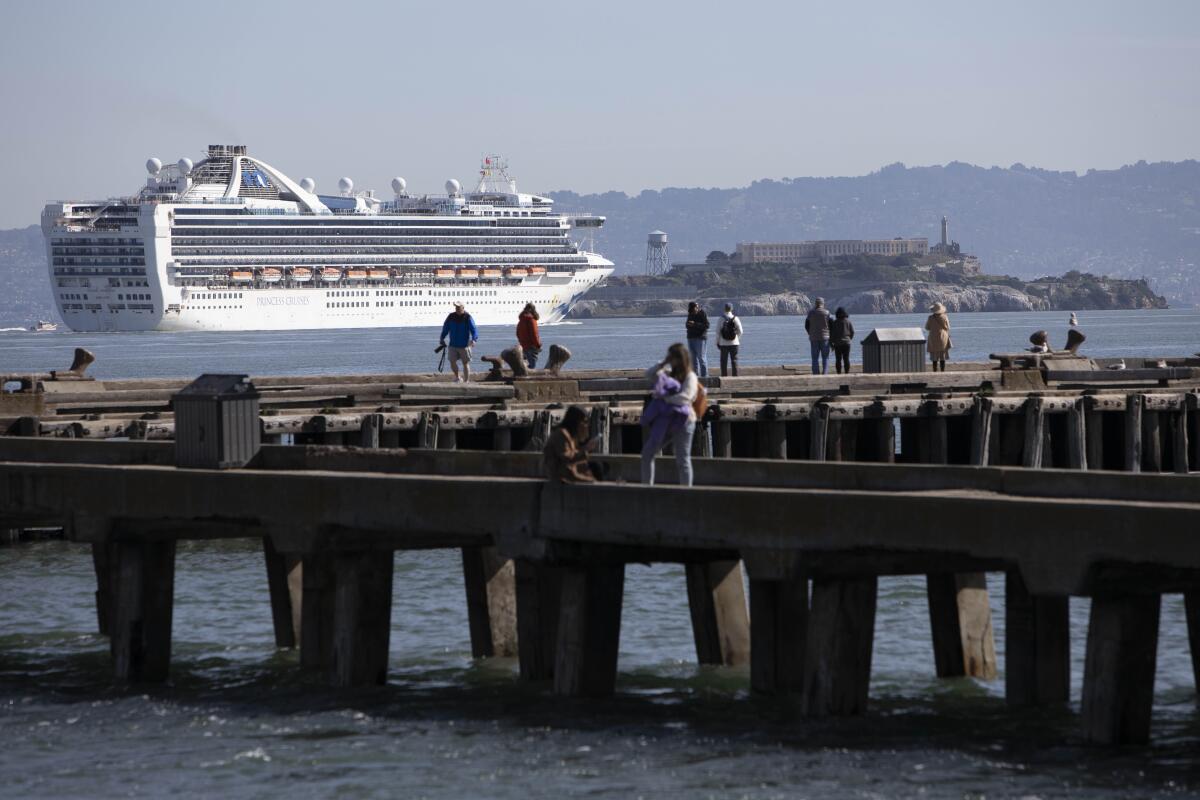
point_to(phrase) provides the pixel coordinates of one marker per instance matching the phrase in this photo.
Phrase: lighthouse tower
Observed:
(945, 233)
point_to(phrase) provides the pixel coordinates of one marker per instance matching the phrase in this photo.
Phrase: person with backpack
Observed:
(670, 416)
(528, 336)
(460, 328)
(817, 325)
(841, 332)
(729, 339)
(697, 337)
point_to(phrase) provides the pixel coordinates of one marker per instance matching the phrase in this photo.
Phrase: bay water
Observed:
(238, 718)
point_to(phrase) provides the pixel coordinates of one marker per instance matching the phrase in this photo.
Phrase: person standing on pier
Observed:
(817, 325)
(697, 337)
(565, 455)
(729, 339)
(460, 328)
(938, 343)
(670, 416)
(841, 332)
(528, 336)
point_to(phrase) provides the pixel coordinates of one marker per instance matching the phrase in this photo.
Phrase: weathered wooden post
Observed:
(717, 601)
(1077, 441)
(1151, 439)
(143, 600)
(539, 592)
(1037, 652)
(589, 630)
(491, 602)
(1179, 440)
(1118, 676)
(722, 438)
(837, 655)
(778, 622)
(286, 586)
(981, 430)
(819, 432)
(102, 563)
(316, 610)
(600, 426)
(1035, 421)
(362, 618)
(427, 430)
(1094, 425)
(369, 430)
(1133, 432)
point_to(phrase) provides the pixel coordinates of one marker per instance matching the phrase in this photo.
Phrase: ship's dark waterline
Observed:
(239, 720)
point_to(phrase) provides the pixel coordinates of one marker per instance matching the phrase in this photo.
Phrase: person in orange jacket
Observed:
(527, 335)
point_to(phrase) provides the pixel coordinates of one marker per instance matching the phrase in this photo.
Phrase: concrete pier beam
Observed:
(837, 655)
(720, 624)
(490, 582)
(589, 630)
(1118, 677)
(1037, 646)
(538, 596)
(143, 601)
(362, 618)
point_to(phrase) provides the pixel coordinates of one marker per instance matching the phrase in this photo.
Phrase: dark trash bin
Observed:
(894, 350)
(216, 422)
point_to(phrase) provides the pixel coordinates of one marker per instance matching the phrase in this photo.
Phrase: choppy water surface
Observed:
(239, 719)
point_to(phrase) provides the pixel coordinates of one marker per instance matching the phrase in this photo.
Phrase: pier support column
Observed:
(818, 423)
(1191, 605)
(601, 429)
(960, 617)
(1037, 646)
(143, 599)
(885, 440)
(589, 630)
(102, 562)
(1035, 433)
(538, 592)
(316, 611)
(717, 599)
(981, 431)
(1179, 441)
(778, 632)
(1077, 439)
(369, 430)
(1133, 433)
(722, 439)
(502, 439)
(841, 636)
(362, 618)
(1151, 441)
(1094, 433)
(491, 602)
(286, 585)
(1118, 676)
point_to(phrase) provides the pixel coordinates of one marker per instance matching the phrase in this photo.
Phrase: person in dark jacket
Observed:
(460, 327)
(841, 331)
(817, 326)
(697, 338)
(528, 336)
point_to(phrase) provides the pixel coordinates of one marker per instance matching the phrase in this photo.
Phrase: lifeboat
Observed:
(491, 273)
(468, 274)
(356, 274)
(517, 272)
(378, 274)
(302, 274)
(537, 271)
(271, 275)
(241, 277)
(331, 274)
(443, 274)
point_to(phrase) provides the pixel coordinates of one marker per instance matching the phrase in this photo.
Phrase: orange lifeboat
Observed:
(468, 274)
(356, 274)
(491, 273)
(517, 272)
(241, 277)
(272, 275)
(443, 274)
(537, 271)
(378, 274)
(302, 274)
(331, 274)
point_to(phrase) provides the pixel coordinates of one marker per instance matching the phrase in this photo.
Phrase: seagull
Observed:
(1074, 321)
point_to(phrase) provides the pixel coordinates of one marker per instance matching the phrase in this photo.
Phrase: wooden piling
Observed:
(143, 600)
(102, 563)
(1179, 442)
(589, 630)
(938, 444)
(369, 430)
(818, 431)
(1094, 434)
(1035, 421)
(720, 625)
(1037, 650)
(538, 592)
(362, 618)
(285, 584)
(600, 425)
(427, 430)
(316, 611)
(778, 632)
(1151, 440)
(1133, 433)
(502, 439)
(1077, 439)
(1118, 676)
(885, 440)
(960, 619)
(841, 635)
(490, 582)
(775, 438)
(981, 430)
(722, 439)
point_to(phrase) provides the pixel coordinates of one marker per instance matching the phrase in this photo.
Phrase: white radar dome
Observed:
(185, 166)
(346, 185)
(453, 187)
(308, 185)
(153, 165)
(399, 185)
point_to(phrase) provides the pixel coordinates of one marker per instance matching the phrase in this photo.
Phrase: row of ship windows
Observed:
(218, 296)
(100, 261)
(99, 270)
(378, 250)
(86, 283)
(107, 241)
(113, 308)
(229, 240)
(341, 222)
(98, 251)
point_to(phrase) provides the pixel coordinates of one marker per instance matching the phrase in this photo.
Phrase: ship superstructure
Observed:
(231, 243)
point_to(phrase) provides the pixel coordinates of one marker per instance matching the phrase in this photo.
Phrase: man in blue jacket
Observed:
(460, 327)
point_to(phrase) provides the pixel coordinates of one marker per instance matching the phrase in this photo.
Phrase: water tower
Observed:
(657, 258)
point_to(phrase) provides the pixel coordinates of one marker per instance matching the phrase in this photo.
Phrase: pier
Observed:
(1070, 484)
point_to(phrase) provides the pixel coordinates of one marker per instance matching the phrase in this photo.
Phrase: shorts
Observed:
(462, 354)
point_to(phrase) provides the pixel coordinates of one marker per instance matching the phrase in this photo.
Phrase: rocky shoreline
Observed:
(905, 298)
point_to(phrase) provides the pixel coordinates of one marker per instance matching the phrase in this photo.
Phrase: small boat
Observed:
(302, 274)
(378, 274)
(491, 273)
(331, 274)
(44, 327)
(241, 277)
(356, 274)
(468, 274)
(443, 274)
(272, 275)
(517, 272)
(537, 271)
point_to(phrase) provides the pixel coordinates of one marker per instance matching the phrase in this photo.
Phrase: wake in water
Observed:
(5, 330)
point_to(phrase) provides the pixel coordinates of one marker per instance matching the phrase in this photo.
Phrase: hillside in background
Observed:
(1138, 221)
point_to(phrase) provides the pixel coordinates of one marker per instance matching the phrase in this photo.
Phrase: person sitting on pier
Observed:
(565, 456)
(670, 415)
(460, 327)
(939, 343)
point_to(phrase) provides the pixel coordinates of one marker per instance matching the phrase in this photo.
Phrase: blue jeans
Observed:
(699, 348)
(531, 357)
(682, 441)
(820, 348)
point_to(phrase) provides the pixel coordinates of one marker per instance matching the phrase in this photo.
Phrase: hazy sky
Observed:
(588, 96)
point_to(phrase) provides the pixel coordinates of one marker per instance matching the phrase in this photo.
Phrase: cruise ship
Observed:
(232, 244)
